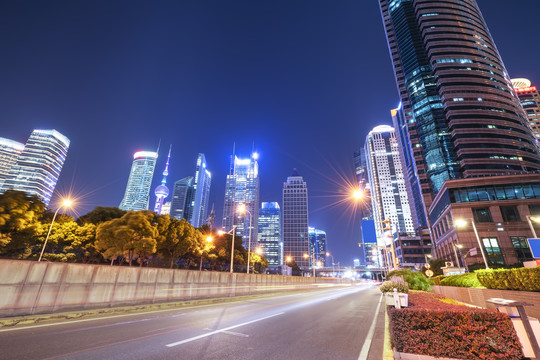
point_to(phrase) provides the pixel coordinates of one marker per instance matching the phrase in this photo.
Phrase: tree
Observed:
(260, 263)
(178, 240)
(101, 214)
(19, 223)
(132, 234)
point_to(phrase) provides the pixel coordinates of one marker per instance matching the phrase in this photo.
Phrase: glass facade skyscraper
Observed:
(464, 119)
(201, 192)
(295, 220)
(269, 237)
(242, 187)
(38, 167)
(182, 198)
(317, 246)
(137, 195)
(9, 153)
(530, 100)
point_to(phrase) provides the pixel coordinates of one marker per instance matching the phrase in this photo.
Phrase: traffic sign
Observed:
(534, 244)
(429, 273)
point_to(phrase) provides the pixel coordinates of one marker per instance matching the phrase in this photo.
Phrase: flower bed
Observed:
(432, 327)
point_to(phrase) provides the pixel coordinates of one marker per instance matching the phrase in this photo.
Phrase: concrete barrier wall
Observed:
(29, 287)
(478, 297)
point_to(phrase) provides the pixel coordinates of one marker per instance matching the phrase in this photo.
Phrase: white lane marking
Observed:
(222, 330)
(235, 333)
(369, 338)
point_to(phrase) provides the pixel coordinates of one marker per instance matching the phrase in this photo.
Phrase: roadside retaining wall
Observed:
(30, 287)
(478, 297)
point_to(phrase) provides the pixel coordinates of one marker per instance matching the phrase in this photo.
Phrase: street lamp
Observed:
(333, 269)
(457, 246)
(535, 219)
(221, 232)
(312, 263)
(462, 223)
(242, 209)
(65, 204)
(209, 239)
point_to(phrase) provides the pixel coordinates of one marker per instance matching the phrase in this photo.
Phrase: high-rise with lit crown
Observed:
(9, 153)
(295, 220)
(137, 196)
(201, 188)
(269, 237)
(530, 100)
(242, 187)
(38, 166)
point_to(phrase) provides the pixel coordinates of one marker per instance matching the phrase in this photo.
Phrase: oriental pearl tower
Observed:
(162, 191)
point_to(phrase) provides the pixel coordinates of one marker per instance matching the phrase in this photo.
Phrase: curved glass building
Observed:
(137, 194)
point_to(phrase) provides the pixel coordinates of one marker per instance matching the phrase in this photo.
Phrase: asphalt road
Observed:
(324, 324)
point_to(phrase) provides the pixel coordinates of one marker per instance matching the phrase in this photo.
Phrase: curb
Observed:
(388, 352)
(126, 310)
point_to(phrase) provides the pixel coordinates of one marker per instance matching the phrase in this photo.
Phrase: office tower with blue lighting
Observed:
(295, 220)
(269, 237)
(10, 151)
(182, 196)
(38, 166)
(162, 191)
(201, 192)
(317, 246)
(242, 187)
(137, 195)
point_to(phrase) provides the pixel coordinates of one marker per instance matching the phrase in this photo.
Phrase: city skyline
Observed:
(99, 171)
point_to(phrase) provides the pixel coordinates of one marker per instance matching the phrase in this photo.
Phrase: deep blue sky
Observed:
(304, 80)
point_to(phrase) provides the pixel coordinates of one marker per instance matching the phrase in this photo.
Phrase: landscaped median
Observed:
(436, 326)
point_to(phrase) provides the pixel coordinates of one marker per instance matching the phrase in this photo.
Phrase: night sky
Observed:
(304, 81)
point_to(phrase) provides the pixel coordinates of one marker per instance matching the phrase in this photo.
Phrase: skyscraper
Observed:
(295, 220)
(38, 166)
(317, 245)
(366, 212)
(201, 187)
(269, 237)
(530, 100)
(181, 199)
(465, 124)
(137, 196)
(162, 191)
(9, 153)
(242, 187)
(462, 114)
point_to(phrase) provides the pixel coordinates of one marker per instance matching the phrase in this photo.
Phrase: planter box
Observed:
(407, 356)
(403, 299)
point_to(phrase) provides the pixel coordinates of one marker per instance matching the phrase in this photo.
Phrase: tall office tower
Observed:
(295, 220)
(465, 123)
(462, 114)
(162, 191)
(38, 166)
(137, 196)
(242, 187)
(270, 233)
(407, 160)
(389, 196)
(360, 166)
(201, 186)
(181, 199)
(317, 246)
(530, 100)
(9, 153)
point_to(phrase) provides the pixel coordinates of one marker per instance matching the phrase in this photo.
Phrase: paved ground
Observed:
(323, 324)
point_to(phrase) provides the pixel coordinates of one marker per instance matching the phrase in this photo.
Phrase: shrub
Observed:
(525, 279)
(462, 280)
(389, 286)
(437, 279)
(431, 327)
(415, 279)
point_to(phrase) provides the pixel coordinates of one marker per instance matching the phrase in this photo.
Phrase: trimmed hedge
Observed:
(524, 279)
(462, 280)
(415, 279)
(437, 279)
(430, 327)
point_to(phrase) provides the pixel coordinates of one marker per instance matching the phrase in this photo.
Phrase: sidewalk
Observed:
(379, 349)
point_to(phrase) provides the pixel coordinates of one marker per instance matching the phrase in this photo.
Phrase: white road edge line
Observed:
(221, 330)
(369, 338)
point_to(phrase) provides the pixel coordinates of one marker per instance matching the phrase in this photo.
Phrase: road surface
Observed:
(331, 323)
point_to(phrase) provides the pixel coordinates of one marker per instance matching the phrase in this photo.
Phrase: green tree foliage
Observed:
(415, 279)
(101, 214)
(177, 240)
(132, 235)
(436, 266)
(19, 223)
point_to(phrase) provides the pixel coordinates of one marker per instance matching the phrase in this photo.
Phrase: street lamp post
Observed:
(462, 223)
(457, 246)
(66, 204)
(221, 232)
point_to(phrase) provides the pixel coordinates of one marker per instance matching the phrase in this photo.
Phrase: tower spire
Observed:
(166, 171)
(161, 190)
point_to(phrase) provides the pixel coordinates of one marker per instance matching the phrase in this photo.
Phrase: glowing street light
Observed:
(462, 223)
(242, 209)
(208, 239)
(67, 203)
(358, 194)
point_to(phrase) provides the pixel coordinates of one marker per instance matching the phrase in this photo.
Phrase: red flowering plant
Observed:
(432, 327)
